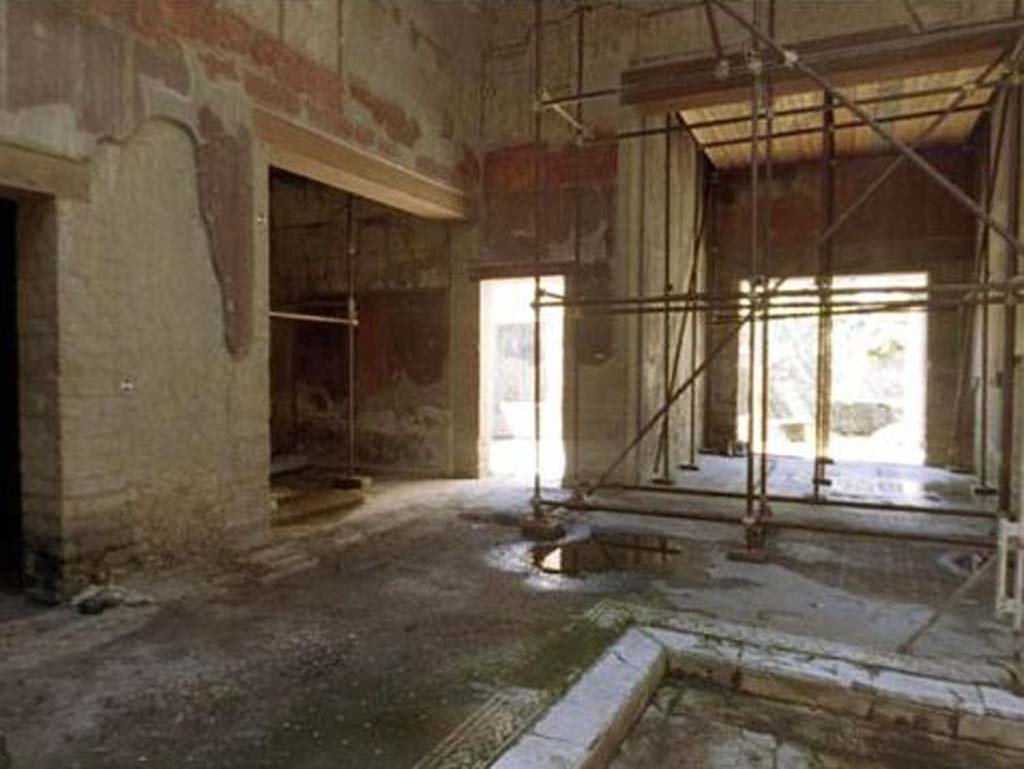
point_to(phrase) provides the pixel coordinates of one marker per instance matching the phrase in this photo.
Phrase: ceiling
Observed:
(904, 80)
(906, 107)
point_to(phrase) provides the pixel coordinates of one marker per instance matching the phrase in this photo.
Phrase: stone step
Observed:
(281, 494)
(341, 480)
(316, 502)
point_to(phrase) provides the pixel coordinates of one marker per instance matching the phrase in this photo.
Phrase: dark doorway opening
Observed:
(10, 452)
(312, 373)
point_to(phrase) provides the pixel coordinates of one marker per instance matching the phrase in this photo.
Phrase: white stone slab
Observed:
(675, 642)
(533, 752)
(828, 671)
(945, 695)
(586, 726)
(1002, 703)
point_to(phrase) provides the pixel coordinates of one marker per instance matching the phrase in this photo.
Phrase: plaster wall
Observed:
(144, 301)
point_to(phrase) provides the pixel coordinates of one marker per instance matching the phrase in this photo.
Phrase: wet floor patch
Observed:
(606, 553)
(597, 563)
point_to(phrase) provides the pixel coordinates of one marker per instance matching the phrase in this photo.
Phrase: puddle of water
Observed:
(606, 563)
(606, 553)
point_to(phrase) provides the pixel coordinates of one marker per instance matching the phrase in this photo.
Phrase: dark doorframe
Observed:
(11, 534)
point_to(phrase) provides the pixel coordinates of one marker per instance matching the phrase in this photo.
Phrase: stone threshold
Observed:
(611, 613)
(585, 727)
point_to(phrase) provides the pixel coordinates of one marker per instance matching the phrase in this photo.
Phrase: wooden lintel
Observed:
(301, 151)
(849, 60)
(24, 170)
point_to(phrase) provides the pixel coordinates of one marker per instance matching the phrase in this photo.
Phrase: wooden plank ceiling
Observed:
(797, 136)
(901, 79)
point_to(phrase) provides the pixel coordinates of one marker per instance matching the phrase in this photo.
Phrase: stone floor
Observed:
(371, 638)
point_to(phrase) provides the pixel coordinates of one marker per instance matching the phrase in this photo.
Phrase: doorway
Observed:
(507, 378)
(878, 382)
(11, 535)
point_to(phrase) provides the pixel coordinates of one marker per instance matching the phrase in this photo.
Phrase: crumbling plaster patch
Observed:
(85, 84)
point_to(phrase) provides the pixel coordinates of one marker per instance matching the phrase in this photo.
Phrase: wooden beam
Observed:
(24, 170)
(888, 54)
(300, 151)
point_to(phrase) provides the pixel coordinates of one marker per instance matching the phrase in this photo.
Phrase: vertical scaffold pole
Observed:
(766, 247)
(1006, 505)
(352, 246)
(664, 476)
(755, 263)
(538, 172)
(823, 388)
(577, 256)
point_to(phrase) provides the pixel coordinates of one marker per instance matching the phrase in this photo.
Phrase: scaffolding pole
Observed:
(751, 529)
(733, 300)
(577, 244)
(896, 507)
(1006, 505)
(823, 381)
(538, 246)
(698, 183)
(306, 317)
(713, 517)
(983, 485)
(797, 309)
(766, 254)
(351, 247)
(662, 474)
(761, 294)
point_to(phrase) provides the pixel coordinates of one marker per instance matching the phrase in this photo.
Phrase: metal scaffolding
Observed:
(767, 299)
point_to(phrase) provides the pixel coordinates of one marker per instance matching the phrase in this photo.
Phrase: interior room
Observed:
(515, 384)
